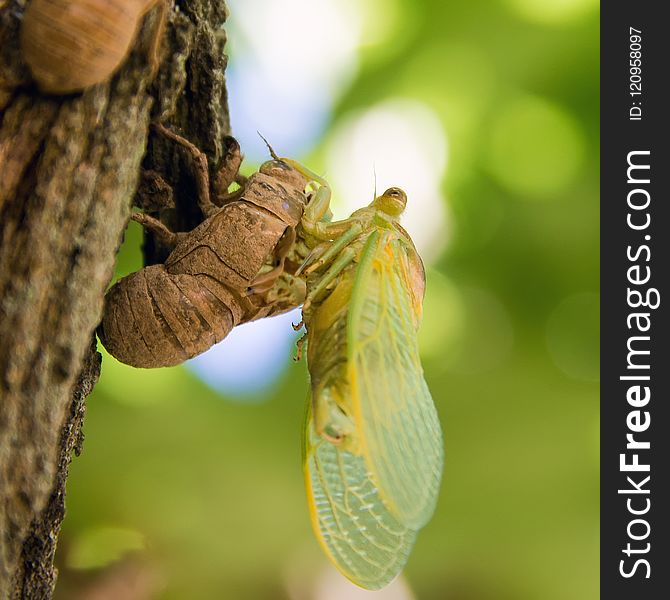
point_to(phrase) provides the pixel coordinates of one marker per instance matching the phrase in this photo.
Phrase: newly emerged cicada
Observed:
(372, 443)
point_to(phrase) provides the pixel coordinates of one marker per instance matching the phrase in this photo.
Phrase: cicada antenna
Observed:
(273, 154)
(374, 175)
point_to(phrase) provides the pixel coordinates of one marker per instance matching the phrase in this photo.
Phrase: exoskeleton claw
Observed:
(158, 228)
(200, 168)
(299, 347)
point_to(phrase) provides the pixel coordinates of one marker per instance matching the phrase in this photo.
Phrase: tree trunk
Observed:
(69, 168)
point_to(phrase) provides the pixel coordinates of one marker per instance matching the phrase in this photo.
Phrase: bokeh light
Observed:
(399, 142)
(460, 93)
(490, 335)
(536, 148)
(251, 357)
(443, 325)
(552, 11)
(289, 63)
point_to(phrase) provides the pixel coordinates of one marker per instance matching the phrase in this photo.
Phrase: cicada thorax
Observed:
(168, 313)
(230, 248)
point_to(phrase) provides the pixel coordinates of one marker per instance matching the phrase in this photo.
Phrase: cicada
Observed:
(372, 442)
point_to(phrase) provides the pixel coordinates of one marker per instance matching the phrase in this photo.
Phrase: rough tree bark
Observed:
(69, 168)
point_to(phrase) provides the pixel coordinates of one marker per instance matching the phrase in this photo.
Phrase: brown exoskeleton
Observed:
(228, 270)
(70, 45)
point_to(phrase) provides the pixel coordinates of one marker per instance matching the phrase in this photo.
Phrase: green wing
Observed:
(396, 421)
(361, 537)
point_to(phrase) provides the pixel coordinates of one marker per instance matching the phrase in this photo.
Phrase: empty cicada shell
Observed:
(228, 270)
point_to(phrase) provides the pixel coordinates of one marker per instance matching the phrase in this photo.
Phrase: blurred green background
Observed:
(190, 491)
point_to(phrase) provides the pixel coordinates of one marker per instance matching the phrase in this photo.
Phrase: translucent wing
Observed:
(396, 421)
(362, 538)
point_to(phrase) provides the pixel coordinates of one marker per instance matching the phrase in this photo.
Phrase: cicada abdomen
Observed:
(155, 319)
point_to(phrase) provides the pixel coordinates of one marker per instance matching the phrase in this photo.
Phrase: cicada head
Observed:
(393, 202)
(282, 171)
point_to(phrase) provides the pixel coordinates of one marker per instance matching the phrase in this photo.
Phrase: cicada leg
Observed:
(299, 346)
(331, 251)
(313, 256)
(228, 171)
(264, 281)
(345, 258)
(158, 228)
(200, 168)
